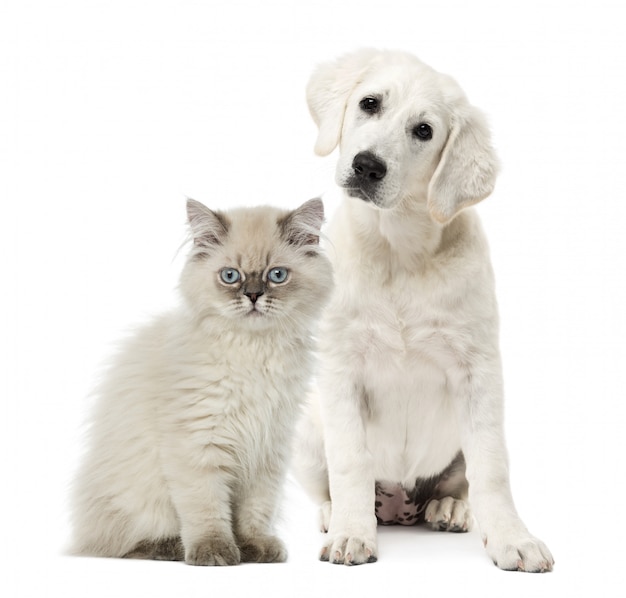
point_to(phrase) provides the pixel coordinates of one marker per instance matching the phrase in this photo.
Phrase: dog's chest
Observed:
(406, 352)
(404, 331)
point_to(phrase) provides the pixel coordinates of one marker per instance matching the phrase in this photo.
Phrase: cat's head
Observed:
(257, 267)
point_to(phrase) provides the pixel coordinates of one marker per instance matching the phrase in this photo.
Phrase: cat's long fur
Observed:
(190, 434)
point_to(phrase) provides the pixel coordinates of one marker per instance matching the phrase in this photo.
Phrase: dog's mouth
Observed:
(359, 193)
(367, 195)
(353, 189)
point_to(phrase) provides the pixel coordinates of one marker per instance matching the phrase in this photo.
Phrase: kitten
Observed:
(192, 427)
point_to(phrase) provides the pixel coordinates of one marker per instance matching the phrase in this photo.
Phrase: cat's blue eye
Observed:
(229, 275)
(278, 275)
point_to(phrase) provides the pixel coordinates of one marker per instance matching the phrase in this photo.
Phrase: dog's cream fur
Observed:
(410, 366)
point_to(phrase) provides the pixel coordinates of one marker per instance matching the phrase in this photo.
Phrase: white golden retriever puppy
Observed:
(409, 416)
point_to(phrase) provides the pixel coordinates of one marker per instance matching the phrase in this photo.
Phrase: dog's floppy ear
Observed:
(327, 93)
(467, 169)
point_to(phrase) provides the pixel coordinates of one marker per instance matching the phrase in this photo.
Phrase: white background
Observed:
(112, 112)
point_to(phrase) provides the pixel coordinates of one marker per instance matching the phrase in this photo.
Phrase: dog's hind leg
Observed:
(309, 464)
(448, 515)
(314, 480)
(449, 510)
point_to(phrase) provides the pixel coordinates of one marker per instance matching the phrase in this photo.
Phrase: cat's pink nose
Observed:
(253, 296)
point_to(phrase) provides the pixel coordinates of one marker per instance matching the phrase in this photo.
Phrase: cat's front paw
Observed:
(263, 549)
(213, 552)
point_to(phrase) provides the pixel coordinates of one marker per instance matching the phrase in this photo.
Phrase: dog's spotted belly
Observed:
(395, 506)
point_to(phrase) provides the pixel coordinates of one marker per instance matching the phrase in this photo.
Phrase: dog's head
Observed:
(404, 131)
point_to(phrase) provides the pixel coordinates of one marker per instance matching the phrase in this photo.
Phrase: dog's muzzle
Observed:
(368, 169)
(364, 182)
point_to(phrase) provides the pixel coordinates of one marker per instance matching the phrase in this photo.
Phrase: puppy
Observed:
(409, 416)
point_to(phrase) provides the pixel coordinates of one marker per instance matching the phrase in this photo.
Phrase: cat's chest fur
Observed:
(232, 392)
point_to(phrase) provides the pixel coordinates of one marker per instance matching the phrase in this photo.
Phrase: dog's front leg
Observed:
(480, 409)
(351, 538)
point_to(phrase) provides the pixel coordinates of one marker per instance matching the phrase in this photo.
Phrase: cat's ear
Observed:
(303, 225)
(208, 228)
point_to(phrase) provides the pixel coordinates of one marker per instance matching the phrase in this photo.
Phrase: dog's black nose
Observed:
(367, 166)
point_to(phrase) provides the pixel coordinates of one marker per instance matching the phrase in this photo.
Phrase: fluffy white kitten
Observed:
(190, 435)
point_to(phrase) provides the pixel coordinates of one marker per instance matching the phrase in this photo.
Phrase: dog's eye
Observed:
(423, 132)
(370, 105)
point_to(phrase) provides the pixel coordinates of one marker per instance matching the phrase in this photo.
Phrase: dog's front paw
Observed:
(344, 549)
(519, 552)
